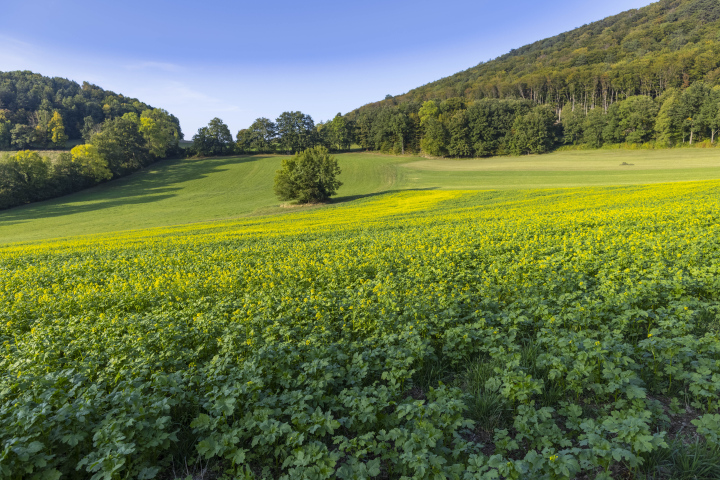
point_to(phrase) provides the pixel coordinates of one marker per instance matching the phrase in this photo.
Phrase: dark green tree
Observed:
(457, 125)
(573, 123)
(260, 136)
(534, 132)
(364, 128)
(490, 122)
(243, 140)
(5, 135)
(221, 137)
(295, 131)
(122, 145)
(710, 113)
(390, 130)
(435, 137)
(594, 127)
(400, 126)
(341, 131)
(691, 104)
(22, 136)
(632, 120)
(215, 139)
(669, 123)
(309, 176)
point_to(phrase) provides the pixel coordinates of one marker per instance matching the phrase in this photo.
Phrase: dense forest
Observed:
(671, 43)
(121, 135)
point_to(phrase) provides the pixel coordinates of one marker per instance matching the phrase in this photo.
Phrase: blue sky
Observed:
(243, 60)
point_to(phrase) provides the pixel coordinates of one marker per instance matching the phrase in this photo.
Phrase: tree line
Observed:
(291, 132)
(461, 128)
(115, 148)
(458, 127)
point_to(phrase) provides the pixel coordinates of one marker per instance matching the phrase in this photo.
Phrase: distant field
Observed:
(185, 191)
(565, 169)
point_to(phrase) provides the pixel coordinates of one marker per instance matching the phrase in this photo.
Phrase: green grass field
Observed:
(185, 191)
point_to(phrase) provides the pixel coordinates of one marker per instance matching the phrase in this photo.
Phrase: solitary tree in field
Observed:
(309, 176)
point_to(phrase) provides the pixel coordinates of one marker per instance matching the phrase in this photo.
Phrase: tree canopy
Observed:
(215, 139)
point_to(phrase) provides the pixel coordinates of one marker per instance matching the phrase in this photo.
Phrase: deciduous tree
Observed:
(295, 131)
(90, 163)
(533, 132)
(309, 176)
(159, 131)
(122, 145)
(215, 139)
(57, 130)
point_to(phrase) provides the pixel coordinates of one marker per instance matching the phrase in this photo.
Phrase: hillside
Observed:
(28, 101)
(648, 76)
(174, 192)
(671, 43)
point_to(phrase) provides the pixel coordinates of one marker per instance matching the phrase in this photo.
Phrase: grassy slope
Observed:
(185, 191)
(566, 169)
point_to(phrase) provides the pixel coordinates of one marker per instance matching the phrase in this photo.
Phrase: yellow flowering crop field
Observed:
(525, 334)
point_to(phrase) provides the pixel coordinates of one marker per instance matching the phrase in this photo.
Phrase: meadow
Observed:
(174, 192)
(429, 333)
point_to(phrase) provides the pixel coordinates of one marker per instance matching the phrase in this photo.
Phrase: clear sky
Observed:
(241, 60)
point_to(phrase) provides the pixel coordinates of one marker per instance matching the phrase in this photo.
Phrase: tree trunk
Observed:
(691, 136)
(605, 99)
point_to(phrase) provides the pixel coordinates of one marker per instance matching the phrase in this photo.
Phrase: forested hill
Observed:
(121, 135)
(648, 77)
(28, 102)
(671, 43)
